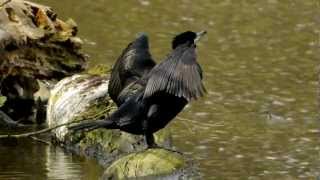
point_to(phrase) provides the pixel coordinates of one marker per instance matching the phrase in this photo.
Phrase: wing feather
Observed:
(133, 63)
(179, 75)
(115, 85)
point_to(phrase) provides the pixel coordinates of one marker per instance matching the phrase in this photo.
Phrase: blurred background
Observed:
(259, 117)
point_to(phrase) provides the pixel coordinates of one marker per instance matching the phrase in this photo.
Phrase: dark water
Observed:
(258, 120)
(26, 159)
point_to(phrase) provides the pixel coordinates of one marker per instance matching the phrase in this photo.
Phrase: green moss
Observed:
(3, 99)
(152, 162)
(97, 109)
(112, 140)
(108, 139)
(162, 136)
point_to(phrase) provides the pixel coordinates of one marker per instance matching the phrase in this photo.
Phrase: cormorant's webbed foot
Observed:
(152, 145)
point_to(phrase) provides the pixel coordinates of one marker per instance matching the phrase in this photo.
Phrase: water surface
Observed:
(258, 119)
(26, 159)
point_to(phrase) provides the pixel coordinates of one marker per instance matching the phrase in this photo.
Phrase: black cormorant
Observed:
(165, 91)
(134, 62)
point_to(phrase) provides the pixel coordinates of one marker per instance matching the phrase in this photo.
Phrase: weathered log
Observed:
(34, 45)
(35, 133)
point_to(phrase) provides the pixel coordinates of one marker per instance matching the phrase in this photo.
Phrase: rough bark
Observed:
(34, 45)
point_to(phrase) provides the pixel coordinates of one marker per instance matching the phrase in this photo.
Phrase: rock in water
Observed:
(150, 164)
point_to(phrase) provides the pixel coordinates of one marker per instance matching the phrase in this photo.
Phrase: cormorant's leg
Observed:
(150, 140)
(151, 143)
(148, 134)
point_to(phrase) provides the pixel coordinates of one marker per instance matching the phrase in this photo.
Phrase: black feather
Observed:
(179, 75)
(134, 62)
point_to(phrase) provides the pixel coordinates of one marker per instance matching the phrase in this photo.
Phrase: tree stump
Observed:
(35, 45)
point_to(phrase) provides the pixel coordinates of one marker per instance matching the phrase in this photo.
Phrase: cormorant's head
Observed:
(187, 37)
(141, 41)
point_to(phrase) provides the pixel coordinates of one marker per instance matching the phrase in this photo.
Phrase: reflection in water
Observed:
(62, 165)
(18, 160)
(26, 159)
(259, 60)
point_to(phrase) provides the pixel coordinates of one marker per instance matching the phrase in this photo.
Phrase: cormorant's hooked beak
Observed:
(199, 35)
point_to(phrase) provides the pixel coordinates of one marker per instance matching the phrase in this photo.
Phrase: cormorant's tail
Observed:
(92, 125)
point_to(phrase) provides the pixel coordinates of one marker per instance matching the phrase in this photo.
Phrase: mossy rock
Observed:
(149, 164)
(85, 97)
(106, 145)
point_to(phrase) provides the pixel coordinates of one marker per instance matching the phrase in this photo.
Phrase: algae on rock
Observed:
(151, 164)
(2, 100)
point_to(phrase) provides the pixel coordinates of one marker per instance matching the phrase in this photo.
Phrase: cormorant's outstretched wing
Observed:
(179, 75)
(115, 86)
(134, 62)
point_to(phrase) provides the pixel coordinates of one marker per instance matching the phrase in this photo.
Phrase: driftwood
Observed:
(34, 133)
(34, 45)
